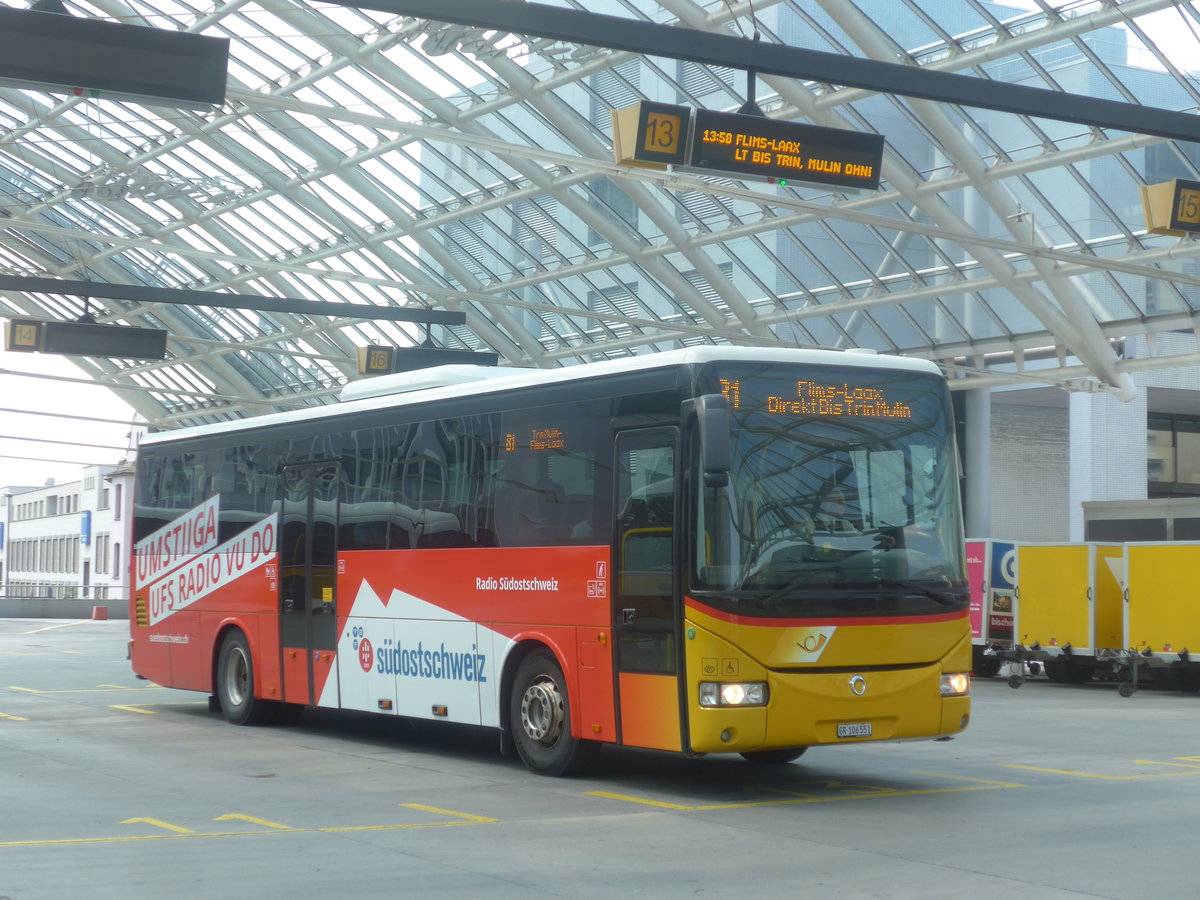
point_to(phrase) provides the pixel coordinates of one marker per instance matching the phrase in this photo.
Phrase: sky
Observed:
(29, 436)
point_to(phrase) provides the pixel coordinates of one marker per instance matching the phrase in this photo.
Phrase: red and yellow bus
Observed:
(713, 550)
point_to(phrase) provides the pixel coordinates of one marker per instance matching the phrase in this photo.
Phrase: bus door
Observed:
(308, 580)
(645, 604)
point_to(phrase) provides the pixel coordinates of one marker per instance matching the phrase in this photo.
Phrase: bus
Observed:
(711, 550)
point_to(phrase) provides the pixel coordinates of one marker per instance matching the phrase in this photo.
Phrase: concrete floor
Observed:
(114, 788)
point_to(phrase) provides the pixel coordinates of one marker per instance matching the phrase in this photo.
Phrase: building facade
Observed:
(68, 541)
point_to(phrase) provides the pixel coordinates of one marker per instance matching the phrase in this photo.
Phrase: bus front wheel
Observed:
(540, 718)
(235, 683)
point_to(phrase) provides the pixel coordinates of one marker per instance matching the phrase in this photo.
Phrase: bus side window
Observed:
(549, 484)
(439, 479)
(177, 485)
(148, 510)
(367, 506)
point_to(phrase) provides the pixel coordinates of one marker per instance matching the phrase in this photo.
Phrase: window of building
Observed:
(101, 563)
(1173, 454)
(613, 203)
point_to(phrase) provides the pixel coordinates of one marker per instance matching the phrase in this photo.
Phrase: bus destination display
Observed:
(539, 439)
(814, 398)
(772, 148)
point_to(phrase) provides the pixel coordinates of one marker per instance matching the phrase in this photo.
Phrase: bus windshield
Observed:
(842, 498)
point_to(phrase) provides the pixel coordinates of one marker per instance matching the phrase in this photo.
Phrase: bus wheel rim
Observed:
(237, 677)
(543, 712)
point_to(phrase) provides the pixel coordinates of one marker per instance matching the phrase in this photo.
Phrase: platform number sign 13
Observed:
(663, 132)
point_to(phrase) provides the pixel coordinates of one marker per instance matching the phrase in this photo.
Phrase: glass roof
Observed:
(375, 159)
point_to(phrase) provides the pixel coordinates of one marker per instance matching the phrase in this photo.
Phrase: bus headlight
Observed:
(957, 684)
(737, 693)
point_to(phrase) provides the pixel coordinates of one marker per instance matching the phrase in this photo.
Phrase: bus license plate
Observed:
(854, 730)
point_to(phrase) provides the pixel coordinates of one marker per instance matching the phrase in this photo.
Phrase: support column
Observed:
(977, 463)
(1108, 452)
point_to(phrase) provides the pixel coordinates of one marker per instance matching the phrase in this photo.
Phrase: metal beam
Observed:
(142, 293)
(57, 52)
(677, 42)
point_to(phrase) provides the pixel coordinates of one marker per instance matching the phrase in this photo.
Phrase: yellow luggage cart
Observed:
(1161, 615)
(1069, 606)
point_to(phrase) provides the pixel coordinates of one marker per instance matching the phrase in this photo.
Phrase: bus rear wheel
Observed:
(235, 684)
(539, 715)
(773, 757)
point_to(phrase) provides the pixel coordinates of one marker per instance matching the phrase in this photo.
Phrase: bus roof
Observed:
(450, 382)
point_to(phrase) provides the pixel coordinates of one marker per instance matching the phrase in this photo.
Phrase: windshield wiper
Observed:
(727, 593)
(943, 597)
(772, 598)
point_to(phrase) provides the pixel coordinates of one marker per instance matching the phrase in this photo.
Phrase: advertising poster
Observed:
(1002, 588)
(976, 562)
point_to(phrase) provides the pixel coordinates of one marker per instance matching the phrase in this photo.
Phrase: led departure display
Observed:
(539, 439)
(655, 135)
(780, 150)
(85, 339)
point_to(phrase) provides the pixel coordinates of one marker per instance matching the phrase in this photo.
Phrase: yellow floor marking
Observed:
(129, 707)
(159, 823)
(345, 828)
(449, 812)
(1005, 784)
(608, 795)
(104, 688)
(857, 792)
(52, 627)
(856, 789)
(13, 718)
(1098, 776)
(228, 817)
(178, 832)
(126, 839)
(1181, 765)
